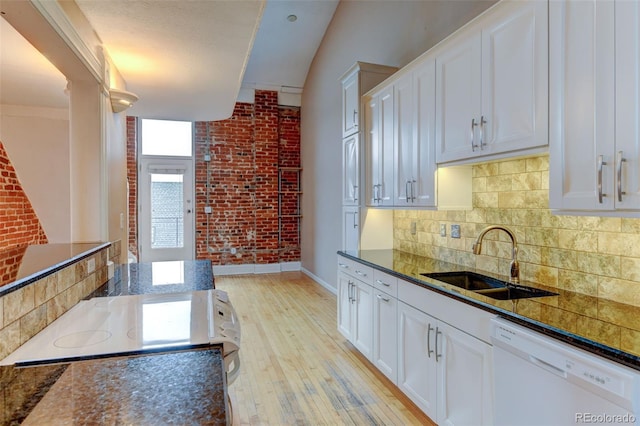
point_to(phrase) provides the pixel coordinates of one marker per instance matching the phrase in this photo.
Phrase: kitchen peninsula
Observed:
(186, 385)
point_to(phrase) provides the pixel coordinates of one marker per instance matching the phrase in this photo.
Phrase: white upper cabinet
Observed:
(492, 84)
(404, 178)
(414, 136)
(350, 105)
(379, 147)
(351, 170)
(360, 78)
(424, 132)
(595, 106)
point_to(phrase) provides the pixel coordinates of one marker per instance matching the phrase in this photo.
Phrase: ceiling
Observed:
(186, 60)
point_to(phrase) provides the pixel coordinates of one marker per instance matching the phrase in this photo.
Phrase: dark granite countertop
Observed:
(22, 265)
(187, 387)
(158, 277)
(595, 324)
(167, 388)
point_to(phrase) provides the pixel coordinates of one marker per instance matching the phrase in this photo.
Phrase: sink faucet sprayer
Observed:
(515, 266)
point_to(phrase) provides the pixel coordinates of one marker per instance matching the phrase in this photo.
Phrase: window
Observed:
(165, 137)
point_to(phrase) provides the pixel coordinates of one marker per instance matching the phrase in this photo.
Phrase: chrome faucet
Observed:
(515, 266)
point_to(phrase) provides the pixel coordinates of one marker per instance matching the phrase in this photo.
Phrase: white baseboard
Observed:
(320, 281)
(252, 268)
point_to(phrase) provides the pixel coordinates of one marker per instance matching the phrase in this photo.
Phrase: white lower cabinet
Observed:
(385, 334)
(444, 371)
(434, 348)
(355, 312)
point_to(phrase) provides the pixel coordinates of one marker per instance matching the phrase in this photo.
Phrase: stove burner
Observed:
(82, 339)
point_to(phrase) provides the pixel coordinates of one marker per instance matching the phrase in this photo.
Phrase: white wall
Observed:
(388, 32)
(37, 141)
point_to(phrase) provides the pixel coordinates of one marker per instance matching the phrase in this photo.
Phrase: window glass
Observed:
(165, 137)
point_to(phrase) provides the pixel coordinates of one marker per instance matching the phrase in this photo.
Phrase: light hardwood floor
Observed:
(296, 368)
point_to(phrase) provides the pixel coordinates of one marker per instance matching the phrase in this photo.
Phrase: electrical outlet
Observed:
(455, 231)
(91, 265)
(413, 228)
(207, 209)
(443, 230)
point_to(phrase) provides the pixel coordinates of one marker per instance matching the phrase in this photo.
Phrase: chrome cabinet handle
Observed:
(362, 274)
(383, 283)
(599, 166)
(355, 222)
(482, 123)
(438, 356)
(349, 290)
(407, 190)
(620, 159)
(342, 265)
(384, 299)
(413, 195)
(355, 192)
(429, 350)
(473, 125)
(376, 193)
(355, 122)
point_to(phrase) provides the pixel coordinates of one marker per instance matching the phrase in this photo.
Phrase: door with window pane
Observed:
(166, 210)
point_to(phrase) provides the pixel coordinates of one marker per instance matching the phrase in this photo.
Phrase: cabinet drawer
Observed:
(385, 282)
(345, 265)
(357, 270)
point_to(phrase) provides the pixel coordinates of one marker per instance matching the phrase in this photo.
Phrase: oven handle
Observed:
(229, 359)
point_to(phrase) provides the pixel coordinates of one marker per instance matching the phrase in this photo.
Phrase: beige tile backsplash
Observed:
(598, 258)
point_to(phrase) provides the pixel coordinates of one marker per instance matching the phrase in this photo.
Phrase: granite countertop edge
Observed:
(22, 282)
(588, 345)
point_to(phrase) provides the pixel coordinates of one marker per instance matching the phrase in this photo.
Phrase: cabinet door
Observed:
(362, 327)
(385, 334)
(424, 133)
(373, 160)
(351, 229)
(465, 372)
(582, 105)
(404, 178)
(514, 78)
(351, 170)
(350, 104)
(417, 370)
(458, 101)
(380, 148)
(345, 292)
(627, 27)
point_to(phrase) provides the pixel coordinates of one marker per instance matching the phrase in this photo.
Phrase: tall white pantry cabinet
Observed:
(360, 78)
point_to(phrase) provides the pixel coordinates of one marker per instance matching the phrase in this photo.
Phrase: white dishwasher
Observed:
(542, 381)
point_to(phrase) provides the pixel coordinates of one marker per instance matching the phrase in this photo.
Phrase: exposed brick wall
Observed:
(246, 150)
(266, 172)
(19, 224)
(289, 162)
(132, 176)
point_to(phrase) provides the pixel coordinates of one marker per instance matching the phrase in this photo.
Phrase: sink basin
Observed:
(488, 286)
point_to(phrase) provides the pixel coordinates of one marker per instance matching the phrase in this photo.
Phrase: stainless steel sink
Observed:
(488, 286)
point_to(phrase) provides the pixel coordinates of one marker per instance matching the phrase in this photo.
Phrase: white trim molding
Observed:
(270, 268)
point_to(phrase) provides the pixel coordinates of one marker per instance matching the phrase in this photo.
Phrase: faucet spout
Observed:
(515, 266)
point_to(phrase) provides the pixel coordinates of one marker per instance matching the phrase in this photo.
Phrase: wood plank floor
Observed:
(296, 368)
